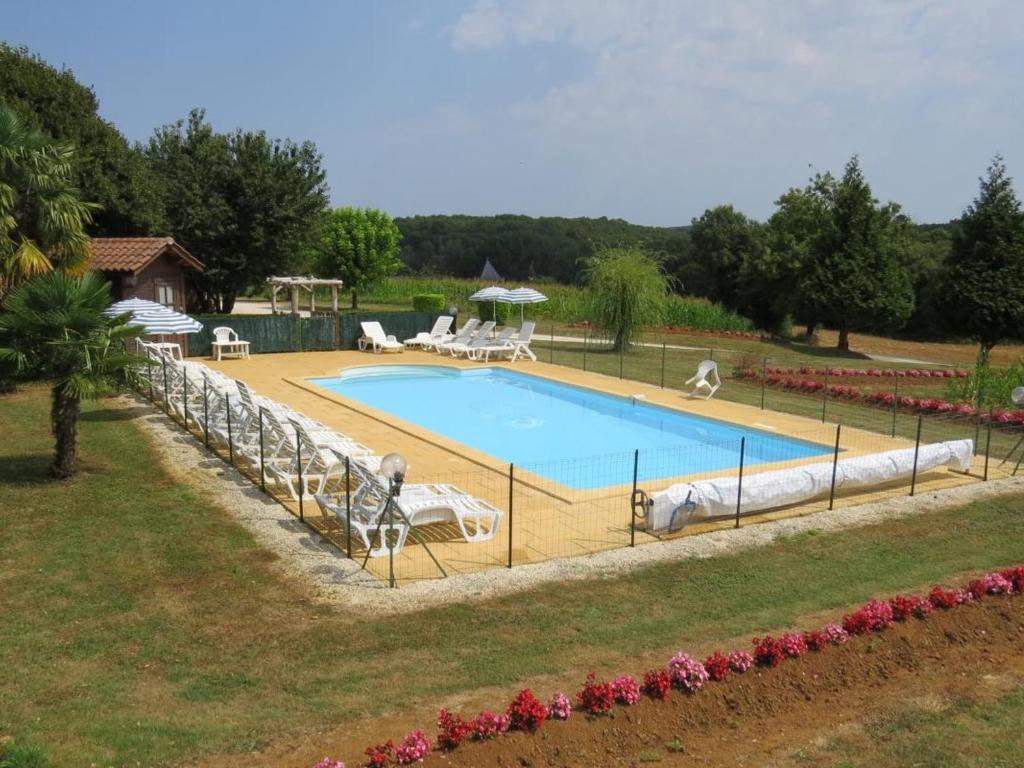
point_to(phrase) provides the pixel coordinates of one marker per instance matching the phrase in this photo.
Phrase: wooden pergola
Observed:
(293, 284)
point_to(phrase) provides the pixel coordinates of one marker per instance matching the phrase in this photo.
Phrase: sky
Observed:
(647, 110)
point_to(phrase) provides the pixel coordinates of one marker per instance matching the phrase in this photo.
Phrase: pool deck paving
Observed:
(549, 520)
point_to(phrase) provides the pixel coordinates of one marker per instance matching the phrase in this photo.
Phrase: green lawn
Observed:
(141, 625)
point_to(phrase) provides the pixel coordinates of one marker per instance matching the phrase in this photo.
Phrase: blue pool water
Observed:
(574, 436)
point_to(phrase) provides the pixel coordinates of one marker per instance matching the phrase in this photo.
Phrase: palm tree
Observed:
(53, 328)
(42, 217)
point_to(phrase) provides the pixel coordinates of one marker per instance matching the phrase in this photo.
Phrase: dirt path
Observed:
(760, 718)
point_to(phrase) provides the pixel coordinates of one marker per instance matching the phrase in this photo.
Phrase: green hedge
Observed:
(428, 302)
(491, 310)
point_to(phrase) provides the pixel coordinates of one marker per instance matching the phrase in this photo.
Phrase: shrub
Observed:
(793, 644)
(740, 661)
(413, 748)
(429, 302)
(559, 707)
(626, 690)
(905, 606)
(487, 725)
(595, 698)
(990, 584)
(815, 640)
(836, 635)
(490, 310)
(379, 754)
(657, 683)
(526, 712)
(686, 673)
(717, 666)
(767, 651)
(452, 730)
(873, 616)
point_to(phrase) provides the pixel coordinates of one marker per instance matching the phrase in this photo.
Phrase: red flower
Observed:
(815, 640)
(452, 730)
(717, 665)
(657, 683)
(379, 754)
(767, 651)
(526, 712)
(595, 698)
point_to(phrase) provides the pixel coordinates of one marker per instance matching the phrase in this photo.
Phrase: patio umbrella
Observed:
(491, 294)
(165, 322)
(132, 305)
(522, 296)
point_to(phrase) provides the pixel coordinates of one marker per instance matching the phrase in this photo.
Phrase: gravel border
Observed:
(332, 578)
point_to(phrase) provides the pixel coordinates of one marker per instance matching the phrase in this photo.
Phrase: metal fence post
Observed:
(711, 354)
(622, 357)
(184, 395)
(632, 514)
(391, 539)
(739, 485)
(895, 402)
(348, 508)
(551, 356)
(977, 431)
(764, 378)
(824, 396)
(149, 375)
(988, 443)
(664, 346)
(511, 473)
(917, 448)
(231, 440)
(835, 466)
(585, 333)
(263, 475)
(206, 413)
(298, 466)
(167, 402)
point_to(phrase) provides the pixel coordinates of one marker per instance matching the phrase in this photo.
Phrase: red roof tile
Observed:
(131, 254)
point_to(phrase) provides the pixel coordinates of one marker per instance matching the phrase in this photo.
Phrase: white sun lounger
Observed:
(482, 349)
(458, 347)
(374, 338)
(707, 370)
(439, 333)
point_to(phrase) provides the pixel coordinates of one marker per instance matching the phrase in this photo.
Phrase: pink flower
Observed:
(793, 644)
(560, 708)
(413, 748)
(740, 661)
(626, 689)
(328, 762)
(688, 674)
(836, 635)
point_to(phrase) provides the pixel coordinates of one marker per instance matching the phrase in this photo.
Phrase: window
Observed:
(165, 294)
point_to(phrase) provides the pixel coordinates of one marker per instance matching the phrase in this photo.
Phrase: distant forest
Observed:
(523, 248)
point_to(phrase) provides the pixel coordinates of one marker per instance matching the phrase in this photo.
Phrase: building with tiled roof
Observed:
(153, 268)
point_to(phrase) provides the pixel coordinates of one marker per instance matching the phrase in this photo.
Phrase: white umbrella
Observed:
(132, 305)
(165, 322)
(491, 294)
(521, 296)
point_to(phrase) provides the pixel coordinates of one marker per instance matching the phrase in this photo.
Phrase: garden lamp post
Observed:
(393, 467)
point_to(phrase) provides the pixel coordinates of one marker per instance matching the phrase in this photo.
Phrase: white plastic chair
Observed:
(707, 370)
(226, 342)
(436, 335)
(375, 339)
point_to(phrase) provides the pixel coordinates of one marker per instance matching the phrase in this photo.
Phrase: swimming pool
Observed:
(541, 424)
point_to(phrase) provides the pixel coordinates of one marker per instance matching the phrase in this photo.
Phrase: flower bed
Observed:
(881, 398)
(527, 713)
(888, 373)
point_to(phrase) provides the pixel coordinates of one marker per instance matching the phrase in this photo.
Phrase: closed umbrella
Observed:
(522, 296)
(491, 294)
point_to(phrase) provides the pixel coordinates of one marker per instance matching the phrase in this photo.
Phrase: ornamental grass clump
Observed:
(687, 674)
(526, 712)
(595, 698)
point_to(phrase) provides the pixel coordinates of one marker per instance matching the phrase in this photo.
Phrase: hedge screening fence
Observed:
(285, 333)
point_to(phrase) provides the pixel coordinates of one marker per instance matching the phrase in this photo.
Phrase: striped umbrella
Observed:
(522, 296)
(491, 294)
(165, 322)
(132, 305)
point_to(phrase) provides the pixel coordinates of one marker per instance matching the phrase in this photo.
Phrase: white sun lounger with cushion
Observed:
(436, 335)
(374, 338)
(702, 380)
(459, 345)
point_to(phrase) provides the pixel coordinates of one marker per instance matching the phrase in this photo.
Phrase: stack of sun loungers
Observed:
(473, 341)
(307, 458)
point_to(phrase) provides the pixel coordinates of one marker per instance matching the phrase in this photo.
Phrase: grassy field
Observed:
(143, 626)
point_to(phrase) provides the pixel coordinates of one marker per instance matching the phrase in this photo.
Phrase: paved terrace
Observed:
(550, 520)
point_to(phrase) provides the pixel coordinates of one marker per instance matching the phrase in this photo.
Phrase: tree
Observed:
(359, 246)
(53, 329)
(245, 204)
(111, 171)
(627, 290)
(855, 274)
(986, 269)
(724, 240)
(42, 218)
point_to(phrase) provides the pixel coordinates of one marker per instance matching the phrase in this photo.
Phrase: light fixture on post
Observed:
(393, 467)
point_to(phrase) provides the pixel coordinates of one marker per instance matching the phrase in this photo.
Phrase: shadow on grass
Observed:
(115, 414)
(26, 470)
(814, 351)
